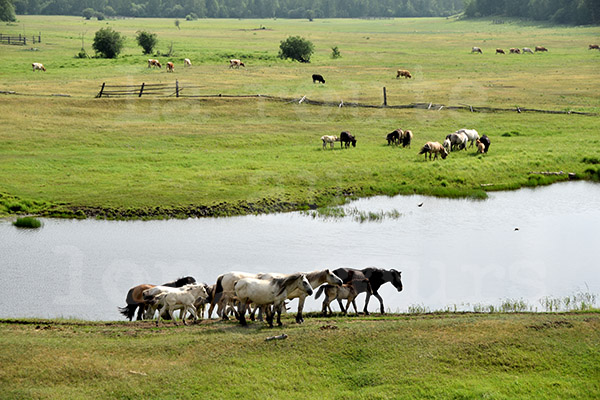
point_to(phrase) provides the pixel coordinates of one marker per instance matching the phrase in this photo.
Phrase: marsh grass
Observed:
(339, 213)
(28, 222)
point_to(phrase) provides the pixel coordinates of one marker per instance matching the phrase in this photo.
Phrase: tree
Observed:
(7, 11)
(88, 13)
(296, 48)
(108, 43)
(147, 41)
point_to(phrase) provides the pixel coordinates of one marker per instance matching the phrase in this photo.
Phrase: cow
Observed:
(38, 66)
(500, 51)
(236, 63)
(527, 50)
(318, 78)
(170, 67)
(404, 73)
(594, 47)
(540, 48)
(514, 50)
(153, 63)
(187, 62)
(476, 50)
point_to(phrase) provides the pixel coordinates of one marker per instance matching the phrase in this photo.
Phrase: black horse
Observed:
(376, 278)
(486, 142)
(135, 298)
(393, 137)
(346, 138)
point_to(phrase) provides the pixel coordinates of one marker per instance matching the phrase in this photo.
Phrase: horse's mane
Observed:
(285, 282)
(186, 280)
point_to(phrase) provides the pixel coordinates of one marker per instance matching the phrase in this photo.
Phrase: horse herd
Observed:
(513, 50)
(239, 293)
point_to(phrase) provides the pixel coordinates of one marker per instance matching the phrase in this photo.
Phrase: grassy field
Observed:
(157, 157)
(468, 356)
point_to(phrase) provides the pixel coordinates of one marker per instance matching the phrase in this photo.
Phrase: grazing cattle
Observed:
(540, 48)
(268, 292)
(458, 140)
(404, 73)
(486, 142)
(329, 139)
(318, 78)
(187, 62)
(514, 50)
(394, 137)
(594, 47)
(153, 63)
(370, 280)
(476, 50)
(434, 148)
(346, 138)
(170, 67)
(181, 298)
(347, 291)
(407, 138)
(135, 298)
(500, 51)
(527, 50)
(38, 66)
(315, 278)
(480, 146)
(236, 63)
(472, 135)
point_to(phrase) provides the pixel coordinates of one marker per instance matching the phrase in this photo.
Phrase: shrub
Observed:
(296, 48)
(27, 222)
(147, 41)
(335, 52)
(88, 13)
(99, 15)
(108, 43)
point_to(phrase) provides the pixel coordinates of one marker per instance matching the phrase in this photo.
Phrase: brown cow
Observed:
(476, 50)
(404, 73)
(500, 51)
(594, 47)
(153, 63)
(170, 67)
(236, 63)
(540, 48)
(514, 50)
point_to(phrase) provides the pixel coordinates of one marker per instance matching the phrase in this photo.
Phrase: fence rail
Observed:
(19, 40)
(146, 89)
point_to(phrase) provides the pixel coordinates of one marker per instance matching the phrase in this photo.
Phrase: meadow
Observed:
(154, 157)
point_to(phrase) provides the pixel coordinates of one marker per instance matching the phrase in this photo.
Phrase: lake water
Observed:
(451, 252)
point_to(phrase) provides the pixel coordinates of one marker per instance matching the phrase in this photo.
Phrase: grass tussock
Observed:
(28, 222)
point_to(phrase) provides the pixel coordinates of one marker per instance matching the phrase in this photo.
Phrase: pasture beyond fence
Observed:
(19, 40)
(184, 90)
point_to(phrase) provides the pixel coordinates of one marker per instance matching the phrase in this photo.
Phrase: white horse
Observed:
(329, 139)
(458, 140)
(447, 145)
(225, 283)
(315, 278)
(268, 292)
(472, 135)
(182, 298)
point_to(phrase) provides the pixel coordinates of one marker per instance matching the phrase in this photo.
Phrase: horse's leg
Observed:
(278, 313)
(365, 310)
(324, 307)
(241, 313)
(380, 301)
(299, 318)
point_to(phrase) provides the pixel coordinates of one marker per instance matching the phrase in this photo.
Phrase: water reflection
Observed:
(451, 252)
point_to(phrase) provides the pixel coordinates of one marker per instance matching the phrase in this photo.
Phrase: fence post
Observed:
(384, 97)
(141, 89)
(101, 90)
(176, 88)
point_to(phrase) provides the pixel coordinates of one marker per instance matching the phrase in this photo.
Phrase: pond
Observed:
(452, 253)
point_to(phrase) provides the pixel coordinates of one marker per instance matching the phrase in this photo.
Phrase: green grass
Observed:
(27, 222)
(468, 356)
(167, 157)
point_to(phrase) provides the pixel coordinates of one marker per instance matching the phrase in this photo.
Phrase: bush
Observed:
(99, 15)
(88, 13)
(296, 48)
(27, 222)
(108, 43)
(191, 17)
(335, 52)
(147, 41)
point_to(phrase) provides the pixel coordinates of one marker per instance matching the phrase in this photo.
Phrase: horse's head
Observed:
(396, 279)
(353, 142)
(332, 278)
(305, 285)
(444, 154)
(198, 291)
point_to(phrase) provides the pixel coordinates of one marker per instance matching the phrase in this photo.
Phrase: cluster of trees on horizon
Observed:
(579, 12)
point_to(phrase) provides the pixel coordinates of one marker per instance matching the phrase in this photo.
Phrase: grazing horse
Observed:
(500, 51)
(476, 50)
(153, 63)
(407, 138)
(181, 298)
(315, 278)
(540, 48)
(187, 62)
(135, 297)
(404, 73)
(375, 277)
(447, 145)
(486, 142)
(318, 78)
(329, 139)
(480, 146)
(594, 47)
(170, 67)
(347, 291)
(346, 138)
(527, 50)
(394, 137)
(458, 140)
(236, 63)
(267, 292)
(515, 50)
(38, 66)
(434, 148)
(472, 135)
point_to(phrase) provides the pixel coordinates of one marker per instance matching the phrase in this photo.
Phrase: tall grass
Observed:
(27, 222)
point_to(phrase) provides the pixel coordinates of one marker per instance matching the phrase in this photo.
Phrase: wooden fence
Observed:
(19, 40)
(146, 89)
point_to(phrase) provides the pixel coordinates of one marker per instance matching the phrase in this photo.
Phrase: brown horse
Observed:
(135, 299)
(347, 291)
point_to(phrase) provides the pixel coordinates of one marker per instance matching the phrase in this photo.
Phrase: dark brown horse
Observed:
(135, 299)
(346, 138)
(376, 278)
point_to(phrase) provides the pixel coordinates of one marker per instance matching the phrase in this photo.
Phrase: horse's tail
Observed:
(425, 149)
(128, 310)
(218, 291)
(321, 290)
